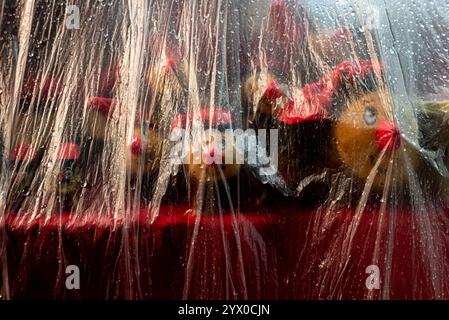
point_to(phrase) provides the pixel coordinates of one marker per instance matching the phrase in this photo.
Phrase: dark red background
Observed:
(292, 254)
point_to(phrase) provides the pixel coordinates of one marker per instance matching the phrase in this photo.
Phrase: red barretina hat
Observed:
(314, 101)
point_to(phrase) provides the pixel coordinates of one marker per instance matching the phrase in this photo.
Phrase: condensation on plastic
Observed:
(356, 91)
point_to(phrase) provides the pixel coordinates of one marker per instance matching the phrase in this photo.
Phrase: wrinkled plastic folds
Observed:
(196, 149)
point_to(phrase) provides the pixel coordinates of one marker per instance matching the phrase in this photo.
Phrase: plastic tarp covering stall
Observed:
(196, 149)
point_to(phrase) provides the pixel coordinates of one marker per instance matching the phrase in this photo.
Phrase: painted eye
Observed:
(370, 115)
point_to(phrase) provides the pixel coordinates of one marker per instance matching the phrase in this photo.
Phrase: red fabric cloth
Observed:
(292, 254)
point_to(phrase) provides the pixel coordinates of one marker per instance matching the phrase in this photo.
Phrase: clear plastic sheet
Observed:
(195, 149)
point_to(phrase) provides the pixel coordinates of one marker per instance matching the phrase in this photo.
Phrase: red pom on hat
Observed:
(23, 152)
(68, 151)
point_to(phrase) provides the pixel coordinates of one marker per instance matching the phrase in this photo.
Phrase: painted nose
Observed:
(136, 146)
(387, 136)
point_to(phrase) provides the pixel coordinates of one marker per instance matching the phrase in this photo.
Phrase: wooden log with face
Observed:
(304, 118)
(304, 138)
(68, 180)
(370, 144)
(364, 141)
(207, 172)
(99, 112)
(143, 152)
(101, 107)
(358, 133)
(24, 161)
(36, 114)
(375, 151)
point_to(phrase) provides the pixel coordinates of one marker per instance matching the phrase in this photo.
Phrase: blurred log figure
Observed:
(101, 107)
(144, 151)
(207, 173)
(362, 138)
(218, 182)
(166, 72)
(35, 117)
(42, 83)
(305, 118)
(38, 95)
(370, 144)
(270, 70)
(23, 163)
(99, 112)
(366, 139)
(68, 180)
